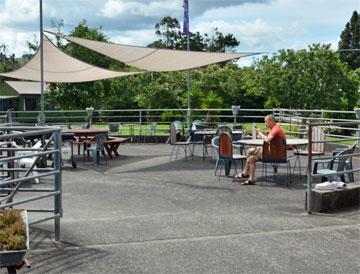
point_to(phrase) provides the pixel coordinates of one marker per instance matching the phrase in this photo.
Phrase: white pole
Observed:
(41, 117)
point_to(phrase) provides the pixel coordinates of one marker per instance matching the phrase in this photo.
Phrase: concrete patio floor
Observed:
(141, 213)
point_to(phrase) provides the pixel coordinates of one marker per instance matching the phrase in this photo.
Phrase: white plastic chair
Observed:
(29, 161)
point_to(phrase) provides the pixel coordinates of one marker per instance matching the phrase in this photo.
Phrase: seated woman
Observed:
(254, 155)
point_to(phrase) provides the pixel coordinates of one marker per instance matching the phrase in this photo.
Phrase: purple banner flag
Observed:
(186, 17)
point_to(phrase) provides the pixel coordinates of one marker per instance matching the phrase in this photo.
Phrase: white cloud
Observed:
(16, 41)
(262, 25)
(256, 35)
(18, 11)
(114, 8)
(139, 38)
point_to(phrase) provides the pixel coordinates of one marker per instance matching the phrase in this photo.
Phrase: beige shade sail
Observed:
(151, 59)
(25, 87)
(61, 68)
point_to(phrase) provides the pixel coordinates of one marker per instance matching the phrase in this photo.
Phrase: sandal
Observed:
(241, 175)
(248, 183)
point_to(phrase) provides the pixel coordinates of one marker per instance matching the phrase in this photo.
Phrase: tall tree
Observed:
(219, 42)
(168, 31)
(308, 79)
(349, 44)
(170, 37)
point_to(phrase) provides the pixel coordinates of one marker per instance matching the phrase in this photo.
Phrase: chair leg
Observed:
(297, 161)
(221, 168)
(37, 181)
(216, 165)
(185, 150)
(235, 167)
(172, 151)
(94, 156)
(177, 152)
(350, 174)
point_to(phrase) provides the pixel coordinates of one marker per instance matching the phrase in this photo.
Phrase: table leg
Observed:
(115, 149)
(108, 150)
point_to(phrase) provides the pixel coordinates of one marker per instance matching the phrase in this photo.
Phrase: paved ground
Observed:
(142, 214)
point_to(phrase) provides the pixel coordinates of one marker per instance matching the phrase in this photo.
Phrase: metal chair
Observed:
(275, 154)
(175, 136)
(114, 128)
(340, 159)
(222, 129)
(97, 148)
(226, 155)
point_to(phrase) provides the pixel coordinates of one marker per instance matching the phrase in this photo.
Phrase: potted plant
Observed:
(14, 236)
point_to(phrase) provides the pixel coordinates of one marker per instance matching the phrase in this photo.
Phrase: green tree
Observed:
(219, 42)
(309, 79)
(161, 90)
(168, 30)
(8, 62)
(170, 36)
(349, 44)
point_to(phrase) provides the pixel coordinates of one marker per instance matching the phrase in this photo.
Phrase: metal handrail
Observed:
(9, 200)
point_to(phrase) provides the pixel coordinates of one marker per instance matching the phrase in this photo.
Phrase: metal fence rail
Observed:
(12, 183)
(135, 120)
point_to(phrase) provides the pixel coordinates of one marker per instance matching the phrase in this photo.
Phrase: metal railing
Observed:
(12, 183)
(295, 119)
(169, 115)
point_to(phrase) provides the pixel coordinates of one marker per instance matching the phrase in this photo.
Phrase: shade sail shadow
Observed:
(132, 164)
(47, 256)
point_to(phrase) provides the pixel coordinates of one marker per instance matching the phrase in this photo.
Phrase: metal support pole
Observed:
(41, 117)
(58, 184)
(309, 166)
(189, 87)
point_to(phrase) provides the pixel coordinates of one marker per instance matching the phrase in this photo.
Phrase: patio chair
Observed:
(226, 154)
(29, 161)
(175, 136)
(222, 129)
(197, 125)
(97, 148)
(318, 149)
(274, 153)
(339, 159)
(348, 162)
(114, 128)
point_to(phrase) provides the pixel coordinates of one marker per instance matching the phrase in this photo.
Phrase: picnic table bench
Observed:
(112, 144)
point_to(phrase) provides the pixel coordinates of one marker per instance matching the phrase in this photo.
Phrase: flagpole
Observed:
(41, 117)
(189, 87)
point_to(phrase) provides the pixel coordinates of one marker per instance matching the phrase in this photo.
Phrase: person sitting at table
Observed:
(255, 154)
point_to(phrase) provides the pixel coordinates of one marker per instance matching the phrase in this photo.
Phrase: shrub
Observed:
(12, 230)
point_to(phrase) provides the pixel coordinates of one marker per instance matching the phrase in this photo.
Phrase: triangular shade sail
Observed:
(61, 68)
(151, 59)
(25, 87)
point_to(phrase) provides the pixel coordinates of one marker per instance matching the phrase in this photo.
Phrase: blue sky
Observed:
(259, 25)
